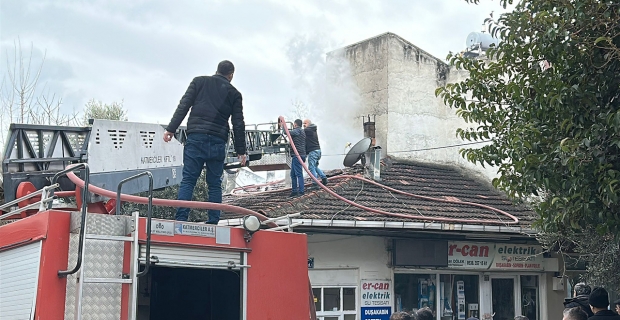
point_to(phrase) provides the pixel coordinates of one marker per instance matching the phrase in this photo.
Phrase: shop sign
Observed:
(376, 299)
(498, 256)
(194, 229)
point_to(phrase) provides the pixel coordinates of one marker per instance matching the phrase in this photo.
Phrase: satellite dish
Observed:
(357, 152)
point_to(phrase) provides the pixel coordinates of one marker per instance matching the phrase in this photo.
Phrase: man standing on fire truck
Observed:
(213, 101)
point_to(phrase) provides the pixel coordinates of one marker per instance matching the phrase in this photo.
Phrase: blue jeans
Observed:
(313, 165)
(208, 151)
(297, 175)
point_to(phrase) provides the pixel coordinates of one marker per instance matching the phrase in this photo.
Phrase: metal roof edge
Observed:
(401, 225)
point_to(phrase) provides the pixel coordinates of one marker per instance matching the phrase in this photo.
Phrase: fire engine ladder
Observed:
(99, 283)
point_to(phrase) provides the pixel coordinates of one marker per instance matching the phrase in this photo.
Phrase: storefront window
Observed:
(459, 298)
(529, 297)
(414, 291)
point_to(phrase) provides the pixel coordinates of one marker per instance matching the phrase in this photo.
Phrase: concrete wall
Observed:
(553, 306)
(367, 257)
(397, 83)
(368, 66)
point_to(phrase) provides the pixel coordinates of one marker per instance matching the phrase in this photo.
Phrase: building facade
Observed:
(431, 231)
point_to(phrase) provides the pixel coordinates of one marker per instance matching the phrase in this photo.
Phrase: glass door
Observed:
(503, 298)
(529, 296)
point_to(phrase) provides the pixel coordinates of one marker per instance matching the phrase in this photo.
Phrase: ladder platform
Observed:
(105, 237)
(107, 280)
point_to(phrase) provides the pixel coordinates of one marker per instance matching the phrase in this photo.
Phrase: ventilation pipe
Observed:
(372, 169)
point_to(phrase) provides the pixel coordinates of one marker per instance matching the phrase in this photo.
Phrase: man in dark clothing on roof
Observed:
(213, 101)
(313, 150)
(582, 291)
(599, 302)
(297, 174)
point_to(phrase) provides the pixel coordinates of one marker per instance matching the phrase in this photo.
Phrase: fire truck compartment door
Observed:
(19, 277)
(175, 256)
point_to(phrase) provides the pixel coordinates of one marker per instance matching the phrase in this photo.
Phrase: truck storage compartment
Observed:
(189, 294)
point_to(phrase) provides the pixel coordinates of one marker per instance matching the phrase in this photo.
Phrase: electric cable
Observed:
(422, 149)
(514, 219)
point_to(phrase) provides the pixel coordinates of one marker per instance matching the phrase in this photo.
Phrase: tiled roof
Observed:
(417, 178)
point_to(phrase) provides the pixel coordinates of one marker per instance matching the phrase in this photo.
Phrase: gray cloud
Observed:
(147, 52)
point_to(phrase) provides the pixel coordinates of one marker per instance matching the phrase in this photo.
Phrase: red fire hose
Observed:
(514, 219)
(167, 202)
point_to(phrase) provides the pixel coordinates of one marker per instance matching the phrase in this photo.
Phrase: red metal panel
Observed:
(54, 257)
(278, 276)
(24, 231)
(236, 239)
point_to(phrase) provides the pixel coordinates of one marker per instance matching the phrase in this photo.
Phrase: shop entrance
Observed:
(189, 293)
(503, 298)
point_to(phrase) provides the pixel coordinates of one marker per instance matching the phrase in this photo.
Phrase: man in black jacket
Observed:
(313, 151)
(599, 301)
(582, 291)
(213, 101)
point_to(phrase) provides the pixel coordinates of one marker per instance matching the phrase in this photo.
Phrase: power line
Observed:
(423, 149)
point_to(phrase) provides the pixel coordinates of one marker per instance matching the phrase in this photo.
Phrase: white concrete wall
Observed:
(368, 66)
(366, 256)
(397, 82)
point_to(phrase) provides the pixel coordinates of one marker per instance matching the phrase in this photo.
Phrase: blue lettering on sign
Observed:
(376, 313)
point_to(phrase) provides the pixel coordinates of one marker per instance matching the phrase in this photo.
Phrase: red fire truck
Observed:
(89, 263)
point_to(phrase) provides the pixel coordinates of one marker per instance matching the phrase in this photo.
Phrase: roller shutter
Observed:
(19, 278)
(192, 257)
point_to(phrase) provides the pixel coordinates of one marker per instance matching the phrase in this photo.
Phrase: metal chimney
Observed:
(369, 130)
(372, 169)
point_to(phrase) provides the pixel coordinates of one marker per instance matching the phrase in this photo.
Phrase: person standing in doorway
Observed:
(313, 150)
(213, 101)
(297, 175)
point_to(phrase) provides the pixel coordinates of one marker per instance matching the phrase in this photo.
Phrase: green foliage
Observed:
(555, 130)
(599, 252)
(201, 193)
(99, 110)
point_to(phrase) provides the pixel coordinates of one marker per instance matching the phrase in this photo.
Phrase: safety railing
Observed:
(41, 204)
(149, 214)
(78, 264)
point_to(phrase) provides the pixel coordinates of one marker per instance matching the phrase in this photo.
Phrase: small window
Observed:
(335, 303)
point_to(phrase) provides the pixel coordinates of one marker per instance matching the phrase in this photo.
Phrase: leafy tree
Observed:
(98, 110)
(548, 98)
(555, 132)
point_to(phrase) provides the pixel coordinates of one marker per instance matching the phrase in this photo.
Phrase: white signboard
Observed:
(162, 227)
(376, 293)
(376, 299)
(195, 229)
(494, 256)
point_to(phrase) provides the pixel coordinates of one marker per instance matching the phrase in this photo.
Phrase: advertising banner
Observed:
(494, 256)
(376, 299)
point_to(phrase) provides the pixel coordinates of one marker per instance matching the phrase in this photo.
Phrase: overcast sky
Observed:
(146, 52)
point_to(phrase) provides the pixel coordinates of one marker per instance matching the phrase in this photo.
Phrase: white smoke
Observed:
(327, 94)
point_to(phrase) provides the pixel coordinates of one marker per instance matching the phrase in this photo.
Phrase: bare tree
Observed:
(299, 110)
(22, 100)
